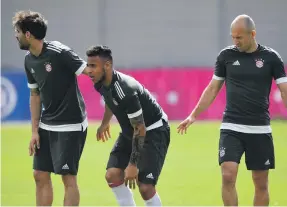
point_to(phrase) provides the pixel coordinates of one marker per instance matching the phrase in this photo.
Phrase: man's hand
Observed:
(131, 175)
(182, 127)
(103, 133)
(35, 142)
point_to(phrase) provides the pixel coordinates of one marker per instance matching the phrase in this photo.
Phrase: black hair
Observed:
(101, 51)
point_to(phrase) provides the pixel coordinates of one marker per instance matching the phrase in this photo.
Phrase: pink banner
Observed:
(177, 90)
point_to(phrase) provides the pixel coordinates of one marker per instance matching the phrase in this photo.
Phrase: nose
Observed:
(237, 43)
(88, 69)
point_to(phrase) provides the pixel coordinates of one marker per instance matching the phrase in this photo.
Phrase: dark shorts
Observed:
(59, 152)
(258, 148)
(152, 158)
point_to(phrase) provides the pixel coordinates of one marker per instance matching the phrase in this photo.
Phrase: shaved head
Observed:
(243, 21)
(243, 33)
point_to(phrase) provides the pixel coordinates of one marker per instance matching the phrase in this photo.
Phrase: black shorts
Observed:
(152, 158)
(258, 148)
(59, 152)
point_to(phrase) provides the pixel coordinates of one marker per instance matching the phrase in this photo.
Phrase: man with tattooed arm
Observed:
(139, 152)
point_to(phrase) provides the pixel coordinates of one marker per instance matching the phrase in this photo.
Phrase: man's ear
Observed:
(253, 33)
(28, 35)
(108, 64)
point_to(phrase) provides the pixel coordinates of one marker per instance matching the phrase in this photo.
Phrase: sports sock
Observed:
(154, 201)
(123, 195)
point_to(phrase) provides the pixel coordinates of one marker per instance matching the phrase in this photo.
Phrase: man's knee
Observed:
(260, 179)
(70, 181)
(229, 173)
(147, 191)
(114, 177)
(41, 177)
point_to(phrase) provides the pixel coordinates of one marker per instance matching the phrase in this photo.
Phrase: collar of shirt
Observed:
(44, 48)
(258, 49)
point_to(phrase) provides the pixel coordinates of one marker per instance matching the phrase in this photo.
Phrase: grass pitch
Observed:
(191, 175)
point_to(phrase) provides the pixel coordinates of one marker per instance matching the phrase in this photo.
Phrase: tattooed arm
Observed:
(35, 101)
(35, 108)
(138, 138)
(135, 114)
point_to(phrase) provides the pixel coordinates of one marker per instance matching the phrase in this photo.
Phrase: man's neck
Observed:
(109, 78)
(253, 48)
(36, 48)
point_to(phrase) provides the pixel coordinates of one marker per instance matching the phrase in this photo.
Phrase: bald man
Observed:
(247, 68)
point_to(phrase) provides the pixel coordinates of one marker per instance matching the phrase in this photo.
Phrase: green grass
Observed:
(191, 175)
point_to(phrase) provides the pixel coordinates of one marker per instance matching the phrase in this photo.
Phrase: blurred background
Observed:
(170, 46)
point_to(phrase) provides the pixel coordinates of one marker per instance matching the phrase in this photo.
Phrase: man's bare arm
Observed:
(107, 116)
(207, 97)
(283, 89)
(138, 138)
(35, 108)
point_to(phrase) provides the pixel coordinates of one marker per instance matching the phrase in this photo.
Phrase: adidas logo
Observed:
(65, 167)
(150, 176)
(236, 63)
(267, 162)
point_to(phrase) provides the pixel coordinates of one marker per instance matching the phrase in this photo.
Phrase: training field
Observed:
(191, 175)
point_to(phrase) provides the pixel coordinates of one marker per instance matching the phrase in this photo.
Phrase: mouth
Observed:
(18, 41)
(91, 77)
(238, 47)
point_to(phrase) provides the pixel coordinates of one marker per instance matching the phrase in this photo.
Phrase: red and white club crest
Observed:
(48, 67)
(259, 63)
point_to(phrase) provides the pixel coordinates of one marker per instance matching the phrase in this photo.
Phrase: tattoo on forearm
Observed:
(34, 92)
(138, 138)
(137, 145)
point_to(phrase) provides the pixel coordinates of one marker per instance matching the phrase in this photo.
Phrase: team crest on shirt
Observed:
(259, 63)
(48, 67)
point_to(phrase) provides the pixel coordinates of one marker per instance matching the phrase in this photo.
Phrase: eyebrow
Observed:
(91, 64)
